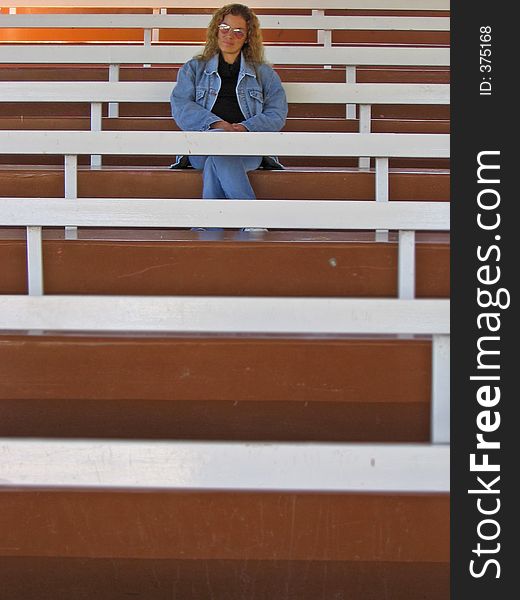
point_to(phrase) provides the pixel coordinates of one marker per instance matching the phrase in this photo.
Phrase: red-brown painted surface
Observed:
(312, 184)
(218, 388)
(169, 579)
(225, 526)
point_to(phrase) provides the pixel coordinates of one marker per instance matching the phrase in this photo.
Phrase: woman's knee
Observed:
(235, 164)
(222, 163)
(198, 162)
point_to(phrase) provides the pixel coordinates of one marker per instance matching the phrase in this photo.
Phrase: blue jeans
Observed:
(226, 176)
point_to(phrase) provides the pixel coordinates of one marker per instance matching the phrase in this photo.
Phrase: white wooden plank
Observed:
(129, 21)
(168, 54)
(365, 112)
(351, 75)
(196, 314)
(96, 122)
(342, 4)
(406, 265)
(113, 76)
(440, 412)
(71, 188)
(153, 212)
(71, 175)
(224, 466)
(382, 189)
(225, 143)
(382, 183)
(34, 261)
(144, 91)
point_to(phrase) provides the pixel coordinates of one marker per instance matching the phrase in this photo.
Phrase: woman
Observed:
(229, 87)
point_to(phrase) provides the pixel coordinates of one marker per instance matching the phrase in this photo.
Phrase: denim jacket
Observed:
(260, 95)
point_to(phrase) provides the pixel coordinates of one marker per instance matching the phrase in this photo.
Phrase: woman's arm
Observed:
(189, 115)
(274, 112)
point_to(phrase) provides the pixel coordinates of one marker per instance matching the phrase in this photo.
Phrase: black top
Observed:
(226, 106)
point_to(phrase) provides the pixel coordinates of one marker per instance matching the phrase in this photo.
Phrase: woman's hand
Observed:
(224, 125)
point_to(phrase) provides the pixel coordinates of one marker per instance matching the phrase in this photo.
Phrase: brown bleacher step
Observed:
(157, 579)
(353, 37)
(198, 35)
(290, 526)
(165, 161)
(167, 124)
(200, 546)
(312, 264)
(218, 387)
(297, 184)
(304, 73)
(162, 109)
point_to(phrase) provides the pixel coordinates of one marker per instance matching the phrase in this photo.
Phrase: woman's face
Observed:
(230, 42)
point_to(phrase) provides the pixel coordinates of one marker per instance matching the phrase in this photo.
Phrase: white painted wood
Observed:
(96, 118)
(113, 73)
(381, 179)
(351, 75)
(71, 175)
(155, 30)
(169, 54)
(406, 265)
(364, 163)
(323, 34)
(95, 115)
(365, 115)
(153, 212)
(382, 190)
(368, 93)
(213, 314)
(147, 42)
(315, 14)
(342, 4)
(71, 189)
(71, 233)
(113, 76)
(312, 467)
(224, 143)
(364, 127)
(440, 414)
(193, 21)
(143, 91)
(34, 261)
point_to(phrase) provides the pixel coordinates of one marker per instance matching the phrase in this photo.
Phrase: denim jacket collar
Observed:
(245, 67)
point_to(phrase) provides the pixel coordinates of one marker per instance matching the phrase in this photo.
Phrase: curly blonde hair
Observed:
(253, 49)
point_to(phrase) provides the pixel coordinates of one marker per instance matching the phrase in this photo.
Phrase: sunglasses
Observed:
(224, 28)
